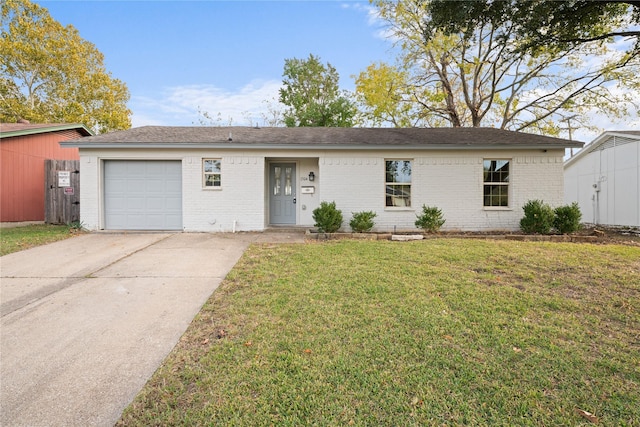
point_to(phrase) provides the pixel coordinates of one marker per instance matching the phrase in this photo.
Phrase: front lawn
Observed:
(436, 332)
(20, 238)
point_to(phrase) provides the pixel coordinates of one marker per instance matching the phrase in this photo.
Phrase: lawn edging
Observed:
(315, 235)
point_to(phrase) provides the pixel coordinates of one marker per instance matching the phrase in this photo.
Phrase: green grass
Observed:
(20, 238)
(437, 332)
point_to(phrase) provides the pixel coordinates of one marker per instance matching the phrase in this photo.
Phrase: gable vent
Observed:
(613, 141)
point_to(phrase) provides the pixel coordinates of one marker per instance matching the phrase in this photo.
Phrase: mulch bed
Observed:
(589, 234)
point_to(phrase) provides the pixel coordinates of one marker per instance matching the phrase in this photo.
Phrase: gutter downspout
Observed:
(596, 186)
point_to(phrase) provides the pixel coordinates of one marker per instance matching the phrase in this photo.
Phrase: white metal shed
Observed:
(604, 178)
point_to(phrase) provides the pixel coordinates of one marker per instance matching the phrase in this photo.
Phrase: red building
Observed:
(24, 147)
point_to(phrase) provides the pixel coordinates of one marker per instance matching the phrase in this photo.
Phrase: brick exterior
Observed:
(451, 180)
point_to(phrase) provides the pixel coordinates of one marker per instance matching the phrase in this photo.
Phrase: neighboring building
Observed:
(24, 147)
(604, 178)
(242, 179)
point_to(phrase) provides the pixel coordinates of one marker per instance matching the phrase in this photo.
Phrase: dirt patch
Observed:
(588, 234)
(612, 235)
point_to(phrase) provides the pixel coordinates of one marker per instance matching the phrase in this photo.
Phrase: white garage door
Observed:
(143, 195)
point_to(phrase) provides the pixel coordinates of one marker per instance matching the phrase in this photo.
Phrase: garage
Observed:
(142, 195)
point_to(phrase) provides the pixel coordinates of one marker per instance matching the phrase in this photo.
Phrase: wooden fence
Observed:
(62, 191)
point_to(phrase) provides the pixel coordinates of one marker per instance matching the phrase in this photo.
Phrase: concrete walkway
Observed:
(86, 321)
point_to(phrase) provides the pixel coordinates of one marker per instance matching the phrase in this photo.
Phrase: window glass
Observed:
(212, 176)
(287, 181)
(496, 183)
(276, 185)
(496, 171)
(398, 183)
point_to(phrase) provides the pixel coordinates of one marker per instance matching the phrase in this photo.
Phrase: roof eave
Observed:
(35, 131)
(599, 141)
(309, 147)
(621, 134)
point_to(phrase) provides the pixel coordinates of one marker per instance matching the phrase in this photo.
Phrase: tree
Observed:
(482, 76)
(541, 22)
(50, 74)
(310, 90)
(386, 96)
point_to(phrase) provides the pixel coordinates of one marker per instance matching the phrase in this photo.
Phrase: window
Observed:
(277, 186)
(398, 183)
(496, 183)
(211, 173)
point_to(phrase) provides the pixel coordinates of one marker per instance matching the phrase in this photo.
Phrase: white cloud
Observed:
(604, 123)
(179, 105)
(382, 29)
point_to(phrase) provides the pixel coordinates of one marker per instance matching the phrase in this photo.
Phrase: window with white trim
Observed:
(398, 183)
(496, 183)
(211, 173)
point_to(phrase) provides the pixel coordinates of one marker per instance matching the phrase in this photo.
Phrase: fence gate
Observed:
(62, 191)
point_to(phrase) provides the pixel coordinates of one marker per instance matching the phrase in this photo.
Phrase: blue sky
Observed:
(227, 57)
(222, 57)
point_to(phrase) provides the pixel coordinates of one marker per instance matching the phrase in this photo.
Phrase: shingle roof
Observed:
(8, 130)
(322, 136)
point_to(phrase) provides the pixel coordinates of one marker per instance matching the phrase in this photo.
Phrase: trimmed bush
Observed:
(567, 218)
(538, 217)
(431, 219)
(328, 219)
(362, 221)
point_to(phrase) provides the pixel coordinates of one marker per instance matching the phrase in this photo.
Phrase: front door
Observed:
(282, 190)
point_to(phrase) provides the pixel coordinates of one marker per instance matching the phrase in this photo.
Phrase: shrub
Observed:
(538, 217)
(567, 218)
(431, 219)
(75, 226)
(362, 221)
(328, 219)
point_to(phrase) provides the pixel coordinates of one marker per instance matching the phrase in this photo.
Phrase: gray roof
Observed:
(319, 137)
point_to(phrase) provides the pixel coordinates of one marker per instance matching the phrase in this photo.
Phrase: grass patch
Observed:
(437, 332)
(20, 238)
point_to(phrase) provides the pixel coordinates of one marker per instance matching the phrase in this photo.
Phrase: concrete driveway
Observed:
(86, 321)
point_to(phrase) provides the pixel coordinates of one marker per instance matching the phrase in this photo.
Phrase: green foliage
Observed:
(380, 89)
(20, 238)
(310, 90)
(567, 218)
(375, 333)
(362, 221)
(541, 24)
(327, 218)
(538, 217)
(75, 226)
(49, 74)
(431, 219)
(480, 73)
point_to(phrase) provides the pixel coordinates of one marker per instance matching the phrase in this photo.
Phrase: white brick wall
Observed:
(238, 203)
(90, 184)
(453, 183)
(355, 180)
